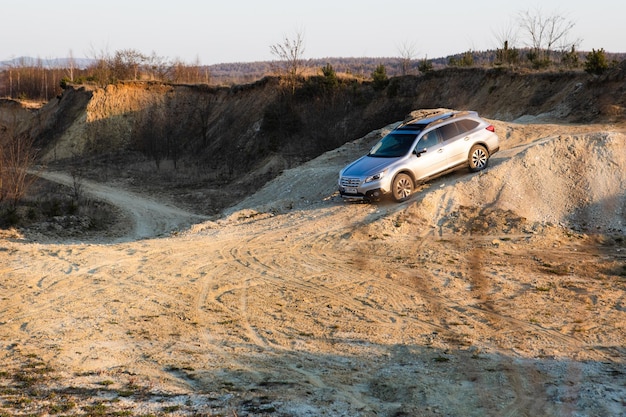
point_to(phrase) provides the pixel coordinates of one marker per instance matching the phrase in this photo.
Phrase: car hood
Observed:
(367, 165)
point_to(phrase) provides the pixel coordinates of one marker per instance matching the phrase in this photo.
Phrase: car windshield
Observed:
(393, 145)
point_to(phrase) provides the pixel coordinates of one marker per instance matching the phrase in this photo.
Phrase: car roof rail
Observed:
(422, 123)
(437, 118)
(466, 113)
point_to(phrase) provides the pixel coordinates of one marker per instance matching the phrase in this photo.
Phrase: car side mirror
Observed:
(419, 152)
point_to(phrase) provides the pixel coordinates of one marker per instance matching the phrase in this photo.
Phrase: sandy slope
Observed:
(496, 294)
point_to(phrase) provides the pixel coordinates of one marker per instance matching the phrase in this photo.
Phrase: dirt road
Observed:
(149, 218)
(466, 300)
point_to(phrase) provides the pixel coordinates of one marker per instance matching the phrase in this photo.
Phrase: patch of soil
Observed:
(488, 294)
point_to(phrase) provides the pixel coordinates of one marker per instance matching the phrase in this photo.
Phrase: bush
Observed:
(425, 66)
(506, 55)
(64, 82)
(570, 59)
(538, 60)
(331, 82)
(9, 217)
(380, 77)
(319, 86)
(466, 60)
(596, 62)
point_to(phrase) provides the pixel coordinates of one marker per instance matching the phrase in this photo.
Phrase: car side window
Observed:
(466, 125)
(449, 131)
(429, 139)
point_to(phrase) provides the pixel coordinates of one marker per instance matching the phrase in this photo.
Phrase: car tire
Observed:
(478, 158)
(402, 187)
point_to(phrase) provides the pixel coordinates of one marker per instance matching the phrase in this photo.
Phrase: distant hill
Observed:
(233, 73)
(242, 72)
(27, 61)
(353, 65)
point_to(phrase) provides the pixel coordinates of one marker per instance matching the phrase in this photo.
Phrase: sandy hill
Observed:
(489, 294)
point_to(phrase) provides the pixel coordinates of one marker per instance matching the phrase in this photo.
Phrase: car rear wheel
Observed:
(478, 158)
(402, 187)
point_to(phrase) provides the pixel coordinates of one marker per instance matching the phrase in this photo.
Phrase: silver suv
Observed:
(417, 151)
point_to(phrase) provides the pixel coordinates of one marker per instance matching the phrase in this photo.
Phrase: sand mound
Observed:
(574, 181)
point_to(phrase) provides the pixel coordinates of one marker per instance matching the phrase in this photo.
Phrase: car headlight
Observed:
(376, 177)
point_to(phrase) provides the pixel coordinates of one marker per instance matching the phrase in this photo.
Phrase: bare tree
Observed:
(203, 115)
(17, 156)
(100, 69)
(126, 64)
(158, 66)
(71, 65)
(290, 52)
(407, 54)
(547, 32)
(151, 133)
(76, 191)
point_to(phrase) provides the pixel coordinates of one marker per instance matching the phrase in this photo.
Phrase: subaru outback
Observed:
(418, 151)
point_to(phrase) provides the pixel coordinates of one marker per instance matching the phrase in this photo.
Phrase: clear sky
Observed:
(213, 32)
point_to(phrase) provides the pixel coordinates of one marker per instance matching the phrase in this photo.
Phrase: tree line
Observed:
(29, 79)
(534, 39)
(25, 80)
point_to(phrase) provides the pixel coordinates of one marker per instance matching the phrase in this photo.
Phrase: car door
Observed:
(458, 141)
(429, 156)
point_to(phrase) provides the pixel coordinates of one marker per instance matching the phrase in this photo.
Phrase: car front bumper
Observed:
(370, 195)
(356, 189)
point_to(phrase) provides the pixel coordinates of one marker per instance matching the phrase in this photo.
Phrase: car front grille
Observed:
(350, 182)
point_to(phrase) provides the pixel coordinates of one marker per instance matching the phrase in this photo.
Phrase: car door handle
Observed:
(440, 150)
(466, 138)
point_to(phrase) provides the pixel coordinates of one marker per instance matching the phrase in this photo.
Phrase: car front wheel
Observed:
(402, 187)
(478, 158)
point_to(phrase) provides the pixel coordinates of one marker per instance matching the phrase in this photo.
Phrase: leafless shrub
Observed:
(17, 157)
(546, 33)
(407, 55)
(290, 52)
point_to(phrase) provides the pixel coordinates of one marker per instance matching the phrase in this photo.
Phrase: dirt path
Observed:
(149, 218)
